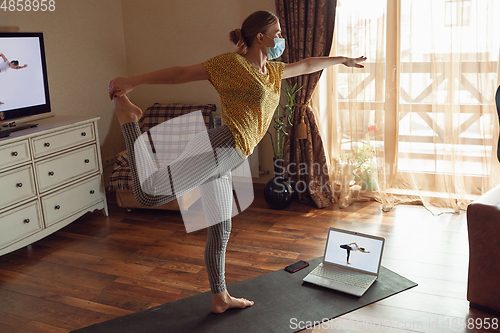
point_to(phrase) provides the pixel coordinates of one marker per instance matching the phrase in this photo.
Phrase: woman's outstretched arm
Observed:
(3, 57)
(311, 65)
(173, 75)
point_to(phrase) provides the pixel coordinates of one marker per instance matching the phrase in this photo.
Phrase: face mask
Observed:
(277, 50)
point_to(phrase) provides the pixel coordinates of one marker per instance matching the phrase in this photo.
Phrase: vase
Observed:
(280, 170)
(279, 167)
(278, 193)
(368, 183)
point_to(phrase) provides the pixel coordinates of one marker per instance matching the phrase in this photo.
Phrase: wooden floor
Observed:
(99, 268)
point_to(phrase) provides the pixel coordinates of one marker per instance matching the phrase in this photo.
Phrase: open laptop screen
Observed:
(364, 252)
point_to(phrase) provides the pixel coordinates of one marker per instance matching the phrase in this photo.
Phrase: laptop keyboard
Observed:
(356, 280)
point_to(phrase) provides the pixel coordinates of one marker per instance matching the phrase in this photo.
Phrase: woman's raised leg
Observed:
(206, 155)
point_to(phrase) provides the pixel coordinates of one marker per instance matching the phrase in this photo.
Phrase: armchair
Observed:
(483, 224)
(497, 100)
(121, 177)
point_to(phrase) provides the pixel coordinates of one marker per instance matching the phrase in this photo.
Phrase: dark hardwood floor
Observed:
(99, 268)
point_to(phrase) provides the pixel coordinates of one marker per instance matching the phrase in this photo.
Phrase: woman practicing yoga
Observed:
(352, 247)
(249, 88)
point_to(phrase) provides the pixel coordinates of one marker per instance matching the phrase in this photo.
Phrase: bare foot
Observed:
(2, 102)
(223, 301)
(126, 111)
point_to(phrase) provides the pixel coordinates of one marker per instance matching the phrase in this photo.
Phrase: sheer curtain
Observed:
(349, 103)
(447, 115)
(424, 102)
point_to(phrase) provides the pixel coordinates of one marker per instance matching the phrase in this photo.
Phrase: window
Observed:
(457, 12)
(446, 75)
(425, 59)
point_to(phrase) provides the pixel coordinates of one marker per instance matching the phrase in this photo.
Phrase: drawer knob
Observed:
(51, 173)
(27, 221)
(57, 207)
(87, 160)
(84, 134)
(15, 153)
(19, 184)
(47, 144)
(92, 192)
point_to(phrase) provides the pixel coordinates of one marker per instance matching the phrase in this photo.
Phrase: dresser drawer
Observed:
(19, 223)
(62, 169)
(47, 144)
(15, 153)
(16, 185)
(71, 200)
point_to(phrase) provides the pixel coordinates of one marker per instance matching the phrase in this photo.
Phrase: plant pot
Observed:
(278, 193)
(279, 171)
(279, 167)
(368, 183)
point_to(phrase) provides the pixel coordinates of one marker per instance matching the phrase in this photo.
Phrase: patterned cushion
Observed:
(158, 113)
(121, 177)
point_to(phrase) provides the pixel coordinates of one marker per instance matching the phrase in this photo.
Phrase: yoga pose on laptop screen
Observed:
(352, 247)
(249, 88)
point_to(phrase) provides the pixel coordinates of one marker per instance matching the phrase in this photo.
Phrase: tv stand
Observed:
(50, 175)
(7, 128)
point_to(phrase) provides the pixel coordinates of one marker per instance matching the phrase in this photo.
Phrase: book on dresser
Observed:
(50, 175)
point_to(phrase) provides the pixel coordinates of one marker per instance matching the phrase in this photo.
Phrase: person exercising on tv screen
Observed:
(6, 64)
(249, 87)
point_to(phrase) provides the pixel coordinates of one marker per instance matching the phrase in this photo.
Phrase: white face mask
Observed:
(277, 50)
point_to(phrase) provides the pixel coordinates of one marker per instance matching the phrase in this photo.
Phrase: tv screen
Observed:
(24, 88)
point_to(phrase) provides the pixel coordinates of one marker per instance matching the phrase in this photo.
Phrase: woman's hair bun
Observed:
(236, 36)
(257, 22)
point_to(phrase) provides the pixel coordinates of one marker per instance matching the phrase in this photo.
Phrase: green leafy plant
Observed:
(282, 120)
(360, 157)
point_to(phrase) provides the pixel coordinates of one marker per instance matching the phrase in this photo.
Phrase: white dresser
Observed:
(50, 175)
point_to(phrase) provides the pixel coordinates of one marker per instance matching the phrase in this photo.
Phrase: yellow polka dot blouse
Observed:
(248, 97)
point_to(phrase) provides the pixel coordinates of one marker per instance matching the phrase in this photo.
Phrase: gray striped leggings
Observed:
(216, 195)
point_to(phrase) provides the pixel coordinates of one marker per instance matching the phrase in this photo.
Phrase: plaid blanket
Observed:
(121, 177)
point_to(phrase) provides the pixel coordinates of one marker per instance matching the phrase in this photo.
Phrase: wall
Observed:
(85, 49)
(160, 34)
(90, 42)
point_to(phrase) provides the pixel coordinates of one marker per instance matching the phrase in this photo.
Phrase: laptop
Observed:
(351, 262)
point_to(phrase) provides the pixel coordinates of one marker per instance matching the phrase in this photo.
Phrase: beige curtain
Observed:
(424, 102)
(308, 30)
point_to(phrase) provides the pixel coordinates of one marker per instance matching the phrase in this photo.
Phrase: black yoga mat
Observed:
(281, 299)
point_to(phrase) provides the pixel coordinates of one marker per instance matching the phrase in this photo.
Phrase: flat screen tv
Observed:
(24, 87)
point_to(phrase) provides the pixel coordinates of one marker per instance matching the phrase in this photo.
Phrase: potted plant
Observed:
(278, 192)
(282, 121)
(362, 159)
